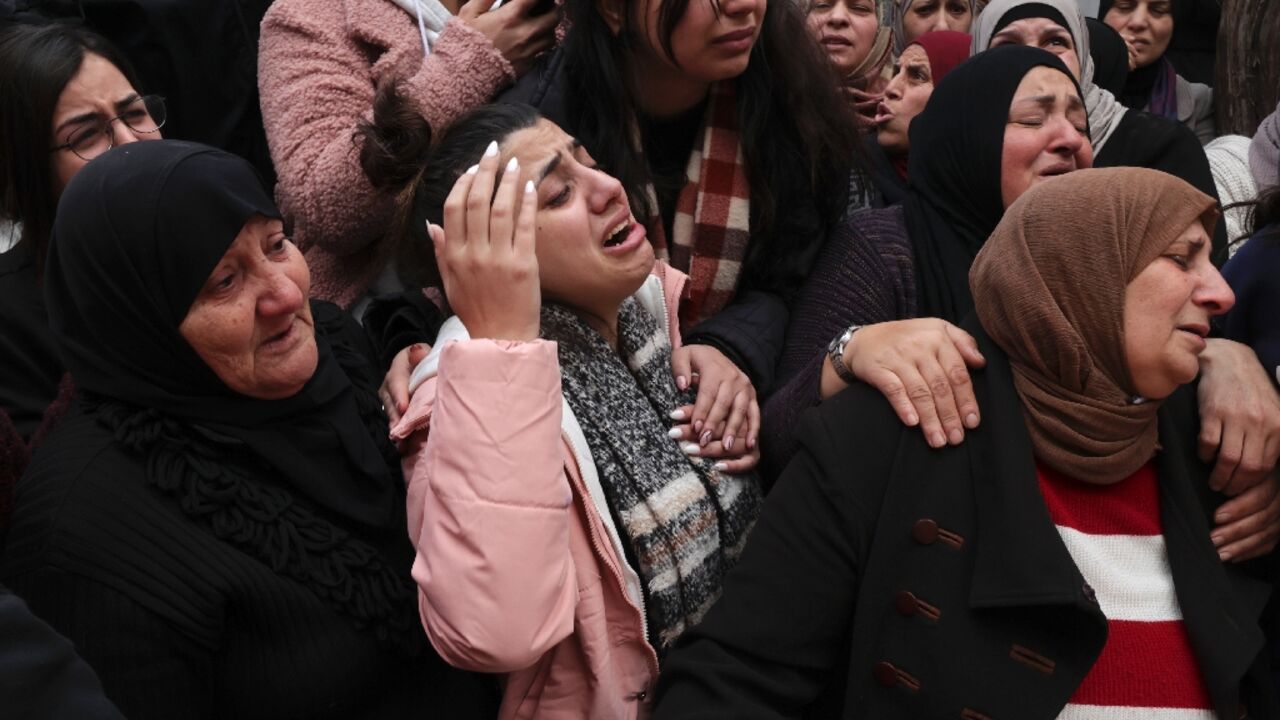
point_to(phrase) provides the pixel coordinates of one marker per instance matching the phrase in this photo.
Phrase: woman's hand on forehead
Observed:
(485, 251)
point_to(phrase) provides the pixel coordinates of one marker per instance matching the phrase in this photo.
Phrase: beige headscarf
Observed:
(1049, 288)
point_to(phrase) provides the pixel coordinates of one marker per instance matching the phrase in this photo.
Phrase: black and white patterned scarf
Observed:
(685, 522)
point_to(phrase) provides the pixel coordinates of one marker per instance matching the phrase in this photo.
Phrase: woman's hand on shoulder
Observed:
(1239, 417)
(514, 29)
(726, 411)
(485, 252)
(922, 366)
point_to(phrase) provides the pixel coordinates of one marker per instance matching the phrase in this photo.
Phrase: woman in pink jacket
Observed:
(319, 65)
(564, 536)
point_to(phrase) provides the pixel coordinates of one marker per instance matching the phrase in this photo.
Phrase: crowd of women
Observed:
(616, 359)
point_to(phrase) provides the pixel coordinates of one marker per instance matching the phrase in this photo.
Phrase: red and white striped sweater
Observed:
(1147, 670)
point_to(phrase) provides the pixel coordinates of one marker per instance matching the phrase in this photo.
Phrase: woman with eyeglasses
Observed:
(66, 96)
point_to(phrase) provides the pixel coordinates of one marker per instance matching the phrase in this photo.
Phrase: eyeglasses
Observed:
(95, 135)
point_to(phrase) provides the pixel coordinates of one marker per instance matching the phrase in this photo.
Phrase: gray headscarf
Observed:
(1264, 152)
(900, 8)
(1105, 111)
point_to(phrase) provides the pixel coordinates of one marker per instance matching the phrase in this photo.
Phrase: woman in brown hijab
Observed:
(1058, 563)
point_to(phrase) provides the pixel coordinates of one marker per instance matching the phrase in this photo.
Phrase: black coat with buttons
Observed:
(885, 579)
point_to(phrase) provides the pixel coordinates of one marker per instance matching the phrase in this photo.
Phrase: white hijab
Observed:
(1104, 110)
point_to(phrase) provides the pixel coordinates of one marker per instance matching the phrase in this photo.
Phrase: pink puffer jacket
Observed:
(319, 65)
(519, 568)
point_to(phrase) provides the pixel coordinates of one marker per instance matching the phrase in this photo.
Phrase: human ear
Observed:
(613, 13)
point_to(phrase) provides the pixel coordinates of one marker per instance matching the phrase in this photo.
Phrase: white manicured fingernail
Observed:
(721, 467)
(677, 415)
(513, 165)
(492, 149)
(473, 169)
(675, 433)
(691, 449)
(528, 187)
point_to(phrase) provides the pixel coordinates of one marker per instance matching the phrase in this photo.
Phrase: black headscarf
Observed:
(1141, 82)
(1110, 57)
(302, 484)
(953, 200)
(138, 232)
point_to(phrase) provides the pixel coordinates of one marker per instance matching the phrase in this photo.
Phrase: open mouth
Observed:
(836, 40)
(619, 234)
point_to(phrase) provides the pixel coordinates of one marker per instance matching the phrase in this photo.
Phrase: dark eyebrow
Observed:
(554, 162)
(86, 117)
(129, 100)
(1006, 33)
(81, 118)
(1044, 101)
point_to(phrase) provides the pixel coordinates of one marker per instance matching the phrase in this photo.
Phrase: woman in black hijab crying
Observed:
(221, 517)
(1121, 137)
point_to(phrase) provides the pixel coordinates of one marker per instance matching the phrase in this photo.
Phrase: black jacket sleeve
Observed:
(750, 332)
(779, 633)
(147, 668)
(40, 674)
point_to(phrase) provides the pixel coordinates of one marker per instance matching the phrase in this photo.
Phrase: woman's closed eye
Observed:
(560, 198)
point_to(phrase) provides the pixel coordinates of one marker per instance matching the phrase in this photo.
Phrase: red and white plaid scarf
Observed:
(712, 222)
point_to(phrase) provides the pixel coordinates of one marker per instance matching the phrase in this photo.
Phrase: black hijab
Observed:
(1141, 82)
(953, 200)
(137, 233)
(1110, 57)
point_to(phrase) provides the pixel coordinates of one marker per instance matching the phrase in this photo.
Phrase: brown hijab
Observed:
(1049, 288)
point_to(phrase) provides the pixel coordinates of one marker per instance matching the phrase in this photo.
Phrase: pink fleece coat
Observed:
(319, 64)
(515, 569)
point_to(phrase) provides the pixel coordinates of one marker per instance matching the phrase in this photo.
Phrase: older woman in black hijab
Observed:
(218, 526)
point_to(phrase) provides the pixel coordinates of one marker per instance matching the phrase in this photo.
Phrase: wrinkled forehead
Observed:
(1051, 89)
(536, 144)
(1027, 28)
